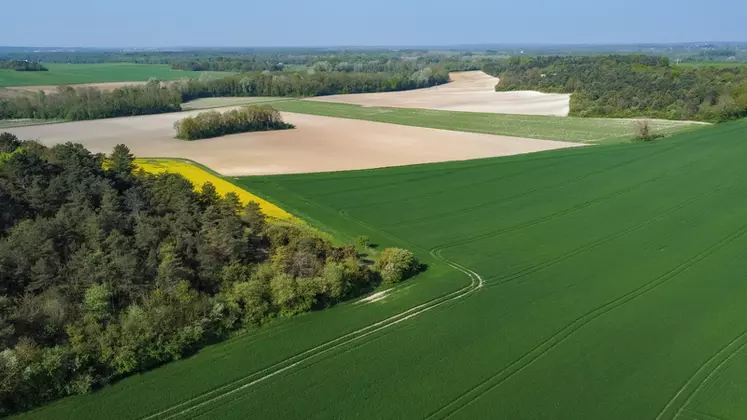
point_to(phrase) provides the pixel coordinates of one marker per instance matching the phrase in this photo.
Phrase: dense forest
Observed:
(214, 124)
(153, 98)
(22, 65)
(631, 86)
(106, 271)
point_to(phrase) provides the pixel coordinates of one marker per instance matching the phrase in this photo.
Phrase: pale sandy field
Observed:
(317, 144)
(472, 91)
(106, 86)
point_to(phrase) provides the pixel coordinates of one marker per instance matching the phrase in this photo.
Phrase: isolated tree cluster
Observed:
(213, 124)
(21, 65)
(106, 270)
(631, 86)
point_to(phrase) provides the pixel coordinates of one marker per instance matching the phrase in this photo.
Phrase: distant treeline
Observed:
(310, 83)
(288, 59)
(89, 103)
(106, 271)
(22, 65)
(344, 63)
(631, 86)
(214, 124)
(153, 98)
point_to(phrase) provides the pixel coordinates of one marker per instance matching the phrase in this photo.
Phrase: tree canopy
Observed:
(631, 86)
(106, 271)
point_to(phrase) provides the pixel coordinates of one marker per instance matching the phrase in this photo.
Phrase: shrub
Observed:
(644, 131)
(396, 264)
(363, 241)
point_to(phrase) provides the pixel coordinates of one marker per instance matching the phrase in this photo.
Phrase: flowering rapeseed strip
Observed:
(199, 176)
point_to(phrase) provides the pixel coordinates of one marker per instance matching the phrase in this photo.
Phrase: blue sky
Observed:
(159, 23)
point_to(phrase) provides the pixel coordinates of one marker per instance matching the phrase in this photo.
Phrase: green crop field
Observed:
(605, 282)
(584, 130)
(63, 74)
(207, 103)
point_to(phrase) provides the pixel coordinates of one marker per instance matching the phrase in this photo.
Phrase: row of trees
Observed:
(22, 65)
(348, 63)
(106, 271)
(630, 86)
(214, 124)
(90, 103)
(310, 83)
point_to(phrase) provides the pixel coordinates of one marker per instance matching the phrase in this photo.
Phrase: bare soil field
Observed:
(107, 86)
(317, 144)
(472, 91)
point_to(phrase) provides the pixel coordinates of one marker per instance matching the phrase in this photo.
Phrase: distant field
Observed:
(25, 122)
(63, 74)
(206, 103)
(583, 130)
(579, 284)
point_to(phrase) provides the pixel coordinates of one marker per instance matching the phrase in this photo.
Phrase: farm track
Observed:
(696, 415)
(475, 393)
(218, 394)
(701, 376)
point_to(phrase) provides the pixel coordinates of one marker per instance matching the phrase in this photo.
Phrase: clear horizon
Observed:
(368, 46)
(386, 23)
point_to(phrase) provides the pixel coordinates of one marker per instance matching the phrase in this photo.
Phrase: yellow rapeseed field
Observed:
(199, 176)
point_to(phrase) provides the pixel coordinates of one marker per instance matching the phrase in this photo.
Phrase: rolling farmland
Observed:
(584, 283)
(582, 130)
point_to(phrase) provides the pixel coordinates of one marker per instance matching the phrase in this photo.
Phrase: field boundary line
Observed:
(543, 348)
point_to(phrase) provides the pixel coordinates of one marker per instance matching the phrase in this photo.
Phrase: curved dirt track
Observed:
(317, 144)
(472, 91)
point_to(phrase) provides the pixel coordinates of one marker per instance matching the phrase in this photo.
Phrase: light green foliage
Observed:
(396, 264)
(363, 241)
(96, 302)
(580, 130)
